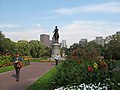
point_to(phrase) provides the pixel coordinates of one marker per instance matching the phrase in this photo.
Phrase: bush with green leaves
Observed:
(85, 66)
(71, 72)
(5, 60)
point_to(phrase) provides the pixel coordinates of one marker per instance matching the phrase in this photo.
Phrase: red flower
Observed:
(90, 68)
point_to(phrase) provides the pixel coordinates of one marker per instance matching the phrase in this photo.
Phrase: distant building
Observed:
(45, 39)
(100, 41)
(63, 43)
(83, 42)
(118, 32)
(53, 39)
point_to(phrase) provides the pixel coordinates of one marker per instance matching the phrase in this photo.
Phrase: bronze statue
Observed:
(56, 34)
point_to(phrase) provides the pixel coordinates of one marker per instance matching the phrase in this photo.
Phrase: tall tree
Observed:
(113, 47)
(2, 37)
(23, 47)
(36, 48)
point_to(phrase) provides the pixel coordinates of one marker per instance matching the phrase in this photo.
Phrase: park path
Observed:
(28, 76)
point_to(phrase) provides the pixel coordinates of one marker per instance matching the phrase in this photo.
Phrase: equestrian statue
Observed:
(56, 34)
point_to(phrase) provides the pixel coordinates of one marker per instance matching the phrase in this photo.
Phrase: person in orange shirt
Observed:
(18, 64)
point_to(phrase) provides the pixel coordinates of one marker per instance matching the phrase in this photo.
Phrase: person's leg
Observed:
(56, 62)
(16, 70)
(17, 73)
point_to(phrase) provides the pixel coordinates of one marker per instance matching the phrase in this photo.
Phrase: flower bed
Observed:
(5, 60)
(86, 67)
(88, 71)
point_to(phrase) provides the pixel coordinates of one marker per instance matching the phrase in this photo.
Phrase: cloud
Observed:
(8, 26)
(37, 25)
(111, 7)
(72, 32)
(77, 30)
(29, 33)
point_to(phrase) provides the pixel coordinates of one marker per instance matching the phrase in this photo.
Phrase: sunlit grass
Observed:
(5, 69)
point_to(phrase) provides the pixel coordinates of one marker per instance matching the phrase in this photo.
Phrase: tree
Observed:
(37, 49)
(2, 37)
(23, 47)
(99, 48)
(113, 47)
(7, 45)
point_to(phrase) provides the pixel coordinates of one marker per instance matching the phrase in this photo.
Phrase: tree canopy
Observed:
(32, 48)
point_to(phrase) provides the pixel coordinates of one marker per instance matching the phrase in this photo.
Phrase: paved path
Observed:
(28, 76)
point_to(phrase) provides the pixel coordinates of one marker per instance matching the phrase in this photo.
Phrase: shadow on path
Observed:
(14, 75)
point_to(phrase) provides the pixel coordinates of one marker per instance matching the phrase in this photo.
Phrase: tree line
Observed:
(110, 51)
(37, 49)
(32, 48)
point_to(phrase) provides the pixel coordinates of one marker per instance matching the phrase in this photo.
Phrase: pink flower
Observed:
(90, 68)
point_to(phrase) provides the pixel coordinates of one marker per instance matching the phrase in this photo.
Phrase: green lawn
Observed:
(5, 69)
(44, 82)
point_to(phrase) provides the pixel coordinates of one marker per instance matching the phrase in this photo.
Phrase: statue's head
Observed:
(56, 27)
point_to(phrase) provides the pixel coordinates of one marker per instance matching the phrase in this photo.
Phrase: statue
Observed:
(55, 43)
(56, 34)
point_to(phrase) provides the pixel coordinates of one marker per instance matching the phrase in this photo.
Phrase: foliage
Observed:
(2, 37)
(23, 47)
(85, 65)
(112, 47)
(71, 72)
(8, 48)
(5, 60)
(32, 48)
(38, 49)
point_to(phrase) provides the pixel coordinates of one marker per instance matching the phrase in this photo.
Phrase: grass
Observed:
(44, 82)
(5, 69)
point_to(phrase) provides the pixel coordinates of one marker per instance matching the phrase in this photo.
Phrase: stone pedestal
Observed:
(55, 50)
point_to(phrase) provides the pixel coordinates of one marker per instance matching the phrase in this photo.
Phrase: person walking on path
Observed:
(17, 61)
(56, 59)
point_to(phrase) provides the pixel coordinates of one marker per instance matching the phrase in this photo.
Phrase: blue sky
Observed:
(76, 19)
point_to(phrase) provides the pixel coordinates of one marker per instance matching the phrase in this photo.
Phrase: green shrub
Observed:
(5, 60)
(72, 72)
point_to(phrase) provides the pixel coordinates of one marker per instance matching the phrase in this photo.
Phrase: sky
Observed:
(76, 19)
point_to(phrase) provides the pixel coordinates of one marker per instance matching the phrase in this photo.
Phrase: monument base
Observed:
(55, 50)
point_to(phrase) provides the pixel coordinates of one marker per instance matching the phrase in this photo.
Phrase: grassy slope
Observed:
(5, 69)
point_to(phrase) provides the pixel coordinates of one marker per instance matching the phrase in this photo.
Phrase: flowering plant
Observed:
(83, 67)
(90, 68)
(95, 65)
